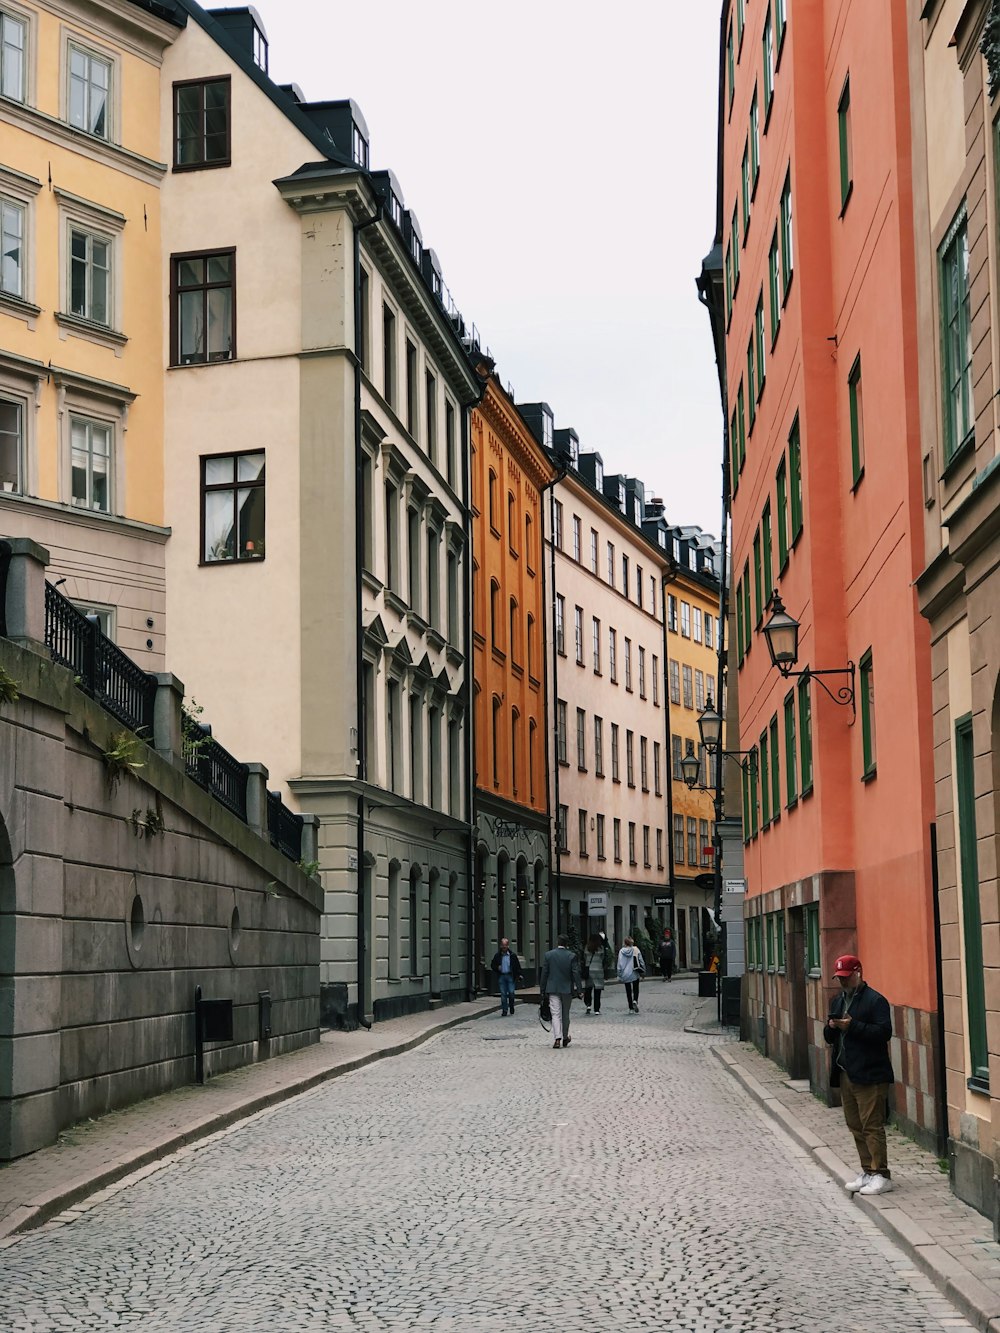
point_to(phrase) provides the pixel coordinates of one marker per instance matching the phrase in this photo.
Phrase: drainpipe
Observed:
(720, 677)
(359, 560)
(668, 756)
(940, 1081)
(552, 770)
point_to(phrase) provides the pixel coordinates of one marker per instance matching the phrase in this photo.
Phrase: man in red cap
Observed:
(858, 1028)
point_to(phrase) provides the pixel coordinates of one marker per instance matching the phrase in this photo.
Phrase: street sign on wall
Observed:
(662, 902)
(597, 904)
(735, 886)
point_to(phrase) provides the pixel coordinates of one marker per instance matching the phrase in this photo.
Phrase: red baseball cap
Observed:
(846, 964)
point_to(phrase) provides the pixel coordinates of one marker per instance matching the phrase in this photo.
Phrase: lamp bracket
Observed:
(844, 695)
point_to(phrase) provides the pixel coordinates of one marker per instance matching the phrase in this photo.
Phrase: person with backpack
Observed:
(631, 970)
(594, 972)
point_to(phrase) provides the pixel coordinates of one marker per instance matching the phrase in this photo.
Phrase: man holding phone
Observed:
(858, 1028)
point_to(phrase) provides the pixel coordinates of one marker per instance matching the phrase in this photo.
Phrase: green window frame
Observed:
(814, 961)
(758, 600)
(729, 283)
(754, 794)
(972, 923)
(765, 780)
(768, 568)
(745, 187)
(867, 690)
(855, 397)
(741, 413)
(805, 736)
(734, 453)
(739, 623)
(758, 323)
(731, 64)
(773, 287)
(754, 143)
(795, 478)
(740, 22)
(735, 235)
(791, 753)
(779, 940)
(775, 770)
(956, 336)
(781, 502)
(787, 264)
(751, 383)
(751, 946)
(769, 928)
(767, 45)
(780, 24)
(844, 138)
(746, 803)
(747, 623)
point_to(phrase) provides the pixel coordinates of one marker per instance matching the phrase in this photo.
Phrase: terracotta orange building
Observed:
(509, 472)
(816, 235)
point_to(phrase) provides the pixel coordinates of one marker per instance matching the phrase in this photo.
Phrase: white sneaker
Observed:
(877, 1185)
(853, 1186)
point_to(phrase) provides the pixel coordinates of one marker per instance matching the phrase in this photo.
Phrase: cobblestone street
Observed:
(483, 1182)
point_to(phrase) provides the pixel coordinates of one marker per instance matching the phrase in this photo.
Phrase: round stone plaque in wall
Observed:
(135, 930)
(235, 934)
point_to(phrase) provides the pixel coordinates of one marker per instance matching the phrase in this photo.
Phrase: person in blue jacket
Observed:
(858, 1029)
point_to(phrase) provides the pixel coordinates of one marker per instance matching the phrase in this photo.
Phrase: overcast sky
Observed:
(560, 158)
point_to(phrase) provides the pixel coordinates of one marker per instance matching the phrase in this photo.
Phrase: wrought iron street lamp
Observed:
(782, 635)
(710, 730)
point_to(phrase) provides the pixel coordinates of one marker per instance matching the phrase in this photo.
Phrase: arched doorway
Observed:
(435, 941)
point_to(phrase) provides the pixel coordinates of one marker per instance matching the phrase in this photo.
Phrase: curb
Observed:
(972, 1298)
(47, 1205)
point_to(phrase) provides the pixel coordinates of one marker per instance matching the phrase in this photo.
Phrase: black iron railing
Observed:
(283, 827)
(214, 768)
(101, 669)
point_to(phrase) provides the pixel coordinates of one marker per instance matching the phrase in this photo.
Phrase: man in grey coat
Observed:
(560, 982)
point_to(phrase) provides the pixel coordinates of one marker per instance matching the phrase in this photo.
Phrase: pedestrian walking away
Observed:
(506, 967)
(593, 972)
(668, 953)
(858, 1029)
(631, 970)
(560, 981)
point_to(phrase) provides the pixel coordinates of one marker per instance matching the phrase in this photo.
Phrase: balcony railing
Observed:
(101, 669)
(214, 768)
(284, 828)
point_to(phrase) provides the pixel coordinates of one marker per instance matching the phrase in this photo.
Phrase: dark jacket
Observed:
(560, 973)
(864, 1053)
(668, 951)
(515, 965)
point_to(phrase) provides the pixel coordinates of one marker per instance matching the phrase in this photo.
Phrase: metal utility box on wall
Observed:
(263, 1015)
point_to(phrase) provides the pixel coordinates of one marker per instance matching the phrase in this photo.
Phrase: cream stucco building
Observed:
(316, 404)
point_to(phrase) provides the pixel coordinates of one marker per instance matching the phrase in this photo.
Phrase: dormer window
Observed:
(546, 430)
(598, 474)
(574, 451)
(661, 537)
(259, 49)
(415, 247)
(359, 148)
(693, 559)
(621, 497)
(677, 548)
(396, 210)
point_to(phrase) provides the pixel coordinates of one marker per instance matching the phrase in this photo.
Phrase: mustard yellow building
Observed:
(81, 320)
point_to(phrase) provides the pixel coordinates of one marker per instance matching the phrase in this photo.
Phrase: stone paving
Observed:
(484, 1181)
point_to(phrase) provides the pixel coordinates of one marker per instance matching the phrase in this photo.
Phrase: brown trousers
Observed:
(864, 1110)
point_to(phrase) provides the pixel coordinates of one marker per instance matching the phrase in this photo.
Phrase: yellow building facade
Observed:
(81, 320)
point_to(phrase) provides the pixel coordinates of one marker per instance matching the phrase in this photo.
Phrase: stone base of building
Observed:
(973, 1180)
(398, 1006)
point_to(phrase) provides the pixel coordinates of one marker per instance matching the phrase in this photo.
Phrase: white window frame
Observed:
(106, 225)
(75, 41)
(28, 19)
(79, 396)
(21, 381)
(19, 191)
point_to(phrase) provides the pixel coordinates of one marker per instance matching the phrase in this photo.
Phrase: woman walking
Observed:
(593, 972)
(631, 968)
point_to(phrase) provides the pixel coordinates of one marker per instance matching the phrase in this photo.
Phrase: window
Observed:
(232, 506)
(659, 849)
(780, 23)
(972, 927)
(781, 498)
(388, 354)
(755, 769)
(433, 540)
(699, 691)
(765, 781)
(581, 739)
(747, 622)
(600, 838)
(786, 236)
(630, 757)
(805, 735)
(741, 438)
(656, 681)
(752, 394)
(740, 22)
(657, 788)
(679, 839)
(754, 143)
(203, 308)
(12, 266)
(692, 842)
(613, 655)
(730, 64)
(813, 959)
(757, 579)
(857, 422)
(844, 134)
(531, 643)
(561, 731)
(867, 692)
(709, 630)
(642, 673)
(557, 523)
(765, 540)
(529, 548)
(775, 769)
(686, 672)
(625, 575)
(12, 414)
(644, 763)
(364, 318)
(645, 845)
(631, 845)
(675, 757)
(729, 283)
(560, 624)
(491, 499)
(768, 46)
(89, 92)
(675, 681)
(430, 414)
(745, 188)
(672, 612)
(758, 324)
(685, 620)
(774, 286)
(599, 746)
(90, 276)
(706, 842)
(736, 248)
(617, 833)
(628, 664)
(562, 828)
(594, 557)
(611, 563)
(451, 462)
(795, 478)
(582, 824)
(578, 634)
(495, 643)
(615, 769)
(791, 753)
(956, 332)
(638, 585)
(577, 538)
(596, 640)
(411, 388)
(91, 465)
(696, 624)
(13, 51)
(201, 124)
